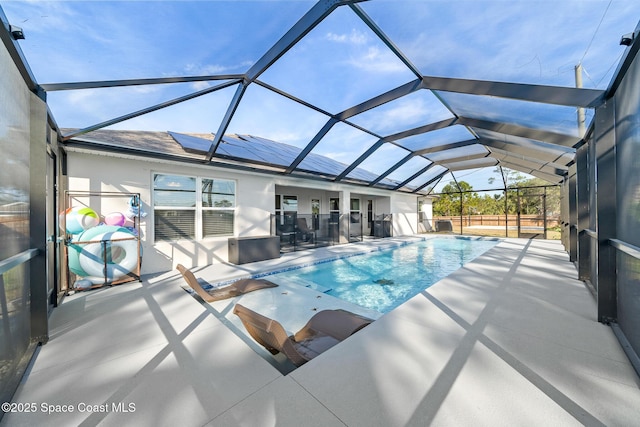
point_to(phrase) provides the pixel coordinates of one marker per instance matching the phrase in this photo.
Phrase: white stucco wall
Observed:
(404, 208)
(255, 196)
(427, 216)
(105, 173)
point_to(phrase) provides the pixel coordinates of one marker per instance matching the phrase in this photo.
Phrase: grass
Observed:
(551, 233)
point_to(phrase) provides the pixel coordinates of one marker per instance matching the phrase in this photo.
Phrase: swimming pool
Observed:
(383, 280)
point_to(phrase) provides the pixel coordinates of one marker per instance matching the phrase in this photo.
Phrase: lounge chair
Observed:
(324, 330)
(235, 289)
(304, 233)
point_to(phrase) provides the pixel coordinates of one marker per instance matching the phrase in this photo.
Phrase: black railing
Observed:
(306, 231)
(382, 226)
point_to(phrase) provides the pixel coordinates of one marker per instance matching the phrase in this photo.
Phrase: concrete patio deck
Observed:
(509, 339)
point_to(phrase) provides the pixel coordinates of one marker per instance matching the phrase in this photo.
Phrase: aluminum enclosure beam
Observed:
(549, 178)
(414, 176)
(52, 87)
(37, 282)
(313, 107)
(376, 101)
(569, 96)
(224, 124)
(525, 132)
(556, 179)
(311, 145)
(292, 98)
(624, 65)
(471, 164)
(82, 145)
(16, 54)
(391, 169)
(584, 241)
(421, 129)
(445, 147)
(573, 214)
(436, 178)
(148, 110)
(593, 209)
(536, 164)
(514, 166)
(308, 22)
(528, 151)
(392, 139)
(359, 160)
(566, 153)
(386, 40)
(460, 158)
(606, 211)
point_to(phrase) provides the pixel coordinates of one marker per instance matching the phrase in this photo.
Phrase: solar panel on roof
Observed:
(239, 152)
(261, 150)
(191, 143)
(322, 164)
(272, 151)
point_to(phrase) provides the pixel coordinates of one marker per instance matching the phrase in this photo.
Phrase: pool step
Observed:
(307, 284)
(316, 287)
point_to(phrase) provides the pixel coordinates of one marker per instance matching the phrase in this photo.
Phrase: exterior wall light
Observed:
(16, 32)
(627, 39)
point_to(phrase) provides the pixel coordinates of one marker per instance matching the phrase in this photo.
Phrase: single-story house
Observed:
(189, 209)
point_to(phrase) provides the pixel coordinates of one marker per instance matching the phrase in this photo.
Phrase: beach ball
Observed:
(81, 218)
(115, 218)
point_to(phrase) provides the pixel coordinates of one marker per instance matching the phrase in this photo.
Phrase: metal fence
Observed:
(601, 213)
(307, 231)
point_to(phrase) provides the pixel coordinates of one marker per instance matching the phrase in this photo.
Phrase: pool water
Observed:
(383, 280)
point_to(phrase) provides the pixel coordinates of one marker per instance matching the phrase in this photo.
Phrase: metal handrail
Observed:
(627, 248)
(18, 259)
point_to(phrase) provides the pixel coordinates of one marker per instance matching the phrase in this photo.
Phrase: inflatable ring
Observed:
(121, 256)
(79, 219)
(76, 246)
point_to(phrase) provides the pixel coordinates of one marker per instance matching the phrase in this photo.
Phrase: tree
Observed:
(449, 202)
(512, 177)
(529, 189)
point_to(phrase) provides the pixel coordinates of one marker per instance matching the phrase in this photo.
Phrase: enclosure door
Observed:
(315, 214)
(53, 291)
(369, 230)
(532, 216)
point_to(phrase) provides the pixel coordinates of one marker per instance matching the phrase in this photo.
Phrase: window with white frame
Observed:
(218, 206)
(187, 207)
(355, 210)
(286, 212)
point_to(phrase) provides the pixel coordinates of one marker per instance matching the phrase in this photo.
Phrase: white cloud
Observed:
(355, 37)
(268, 115)
(213, 69)
(378, 60)
(200, 85)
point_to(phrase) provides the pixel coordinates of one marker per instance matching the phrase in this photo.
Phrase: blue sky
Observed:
(337, 65)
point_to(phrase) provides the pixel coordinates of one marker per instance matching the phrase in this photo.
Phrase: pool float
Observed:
(134, 209)
(79, 219)
(88, 259)
(115, 218)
